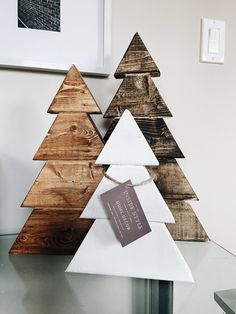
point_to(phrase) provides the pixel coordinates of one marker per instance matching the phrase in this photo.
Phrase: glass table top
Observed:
(213, 268)
(33, 284)
(38, 284)
(226, 300)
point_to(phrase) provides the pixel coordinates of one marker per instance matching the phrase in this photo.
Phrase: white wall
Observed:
(200, 96)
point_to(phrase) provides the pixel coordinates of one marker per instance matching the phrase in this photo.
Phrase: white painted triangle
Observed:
(154, 256)
(127, 145)
(152, 202)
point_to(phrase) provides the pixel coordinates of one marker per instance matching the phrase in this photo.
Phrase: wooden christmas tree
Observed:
(153, 256)
(69, 176)
(139, 94)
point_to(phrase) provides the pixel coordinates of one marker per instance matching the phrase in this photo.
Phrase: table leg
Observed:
(161, 297)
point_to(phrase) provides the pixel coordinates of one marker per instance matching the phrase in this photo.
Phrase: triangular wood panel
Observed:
(148, 194)
(74, 95)
(157, 135)
(187, 227)
(64, 184)
(52, 231)
(172, 182)
(73, 136)
(137, 59)
(154, 256)
(127, 145)
(139, 94)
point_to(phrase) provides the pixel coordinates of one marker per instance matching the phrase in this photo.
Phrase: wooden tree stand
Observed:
(69, 176)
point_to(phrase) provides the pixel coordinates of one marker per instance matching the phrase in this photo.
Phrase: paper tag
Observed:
(125, 212)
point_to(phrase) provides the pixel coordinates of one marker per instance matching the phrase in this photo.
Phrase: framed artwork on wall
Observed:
(51, 35)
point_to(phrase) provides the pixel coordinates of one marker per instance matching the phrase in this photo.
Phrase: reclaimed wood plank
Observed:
(137, 59)
(64, 184)
(157, 135)
(139, 94)
(52, 231)
(172, 182)
(187, 226)
(74, 95)
(73, 136)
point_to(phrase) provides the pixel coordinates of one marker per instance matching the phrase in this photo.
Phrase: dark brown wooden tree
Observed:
(139, 94)
(69, 176)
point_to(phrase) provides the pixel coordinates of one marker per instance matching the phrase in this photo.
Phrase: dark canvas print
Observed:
(39, 14)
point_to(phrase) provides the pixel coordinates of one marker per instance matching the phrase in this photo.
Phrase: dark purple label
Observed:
(125, 212)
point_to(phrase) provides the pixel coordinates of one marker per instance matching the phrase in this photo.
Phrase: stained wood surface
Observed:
(64, 184)
(157, 135)
(52, 231)
(172, 182)
(74, 95)
(73, 136)
(137, 59)
(187, 227)
(139, 94)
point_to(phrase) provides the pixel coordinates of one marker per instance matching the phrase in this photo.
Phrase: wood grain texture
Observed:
(139, 94)
(187, 226)
(172, 182)
(137, 59)
(74, 95)
(73, 136)
(157, 135)
(52, 231)
(64, 184)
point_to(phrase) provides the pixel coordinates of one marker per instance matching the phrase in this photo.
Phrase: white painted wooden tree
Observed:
(155, 255)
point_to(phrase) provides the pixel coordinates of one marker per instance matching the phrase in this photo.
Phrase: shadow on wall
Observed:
(15, 181)
(22, 129)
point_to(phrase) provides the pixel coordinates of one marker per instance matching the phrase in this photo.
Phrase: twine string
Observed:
(152, 176)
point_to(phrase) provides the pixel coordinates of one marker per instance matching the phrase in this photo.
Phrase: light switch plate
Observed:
(212, 41)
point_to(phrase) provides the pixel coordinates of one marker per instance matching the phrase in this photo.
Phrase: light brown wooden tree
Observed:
(69, 176)
(139, 94)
